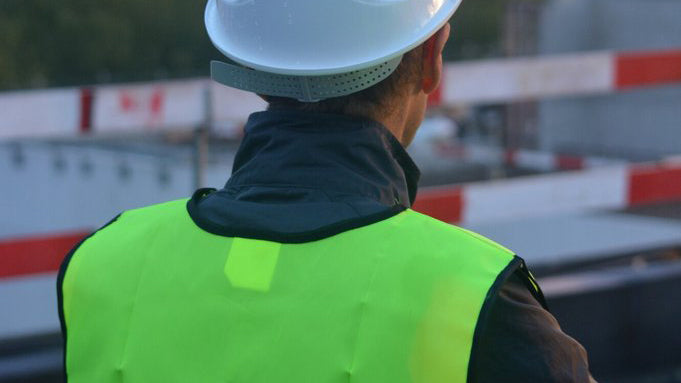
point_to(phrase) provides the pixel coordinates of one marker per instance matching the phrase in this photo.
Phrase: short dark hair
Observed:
(369, 102)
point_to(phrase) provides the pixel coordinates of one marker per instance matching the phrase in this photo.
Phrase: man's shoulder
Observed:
(177, 206)
(449, 235)
(136, 222)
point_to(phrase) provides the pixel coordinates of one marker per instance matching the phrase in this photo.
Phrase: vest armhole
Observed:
(532, 285)
(60, 282)
(515, 264)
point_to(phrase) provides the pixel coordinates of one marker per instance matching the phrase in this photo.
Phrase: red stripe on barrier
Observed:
(85, 110)
(510, 157)
(443, 204)
(565, 162)
(33, 255)
(638, 69)
(650, 184)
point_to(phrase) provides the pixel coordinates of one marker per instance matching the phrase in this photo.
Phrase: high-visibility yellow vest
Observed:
(154, 298)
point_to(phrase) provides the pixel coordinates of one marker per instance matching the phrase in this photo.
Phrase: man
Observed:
(309, 266)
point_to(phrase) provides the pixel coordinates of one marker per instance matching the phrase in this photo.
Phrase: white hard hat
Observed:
(316, 49)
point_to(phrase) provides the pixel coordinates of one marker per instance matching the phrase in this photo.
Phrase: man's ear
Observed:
(432, 59)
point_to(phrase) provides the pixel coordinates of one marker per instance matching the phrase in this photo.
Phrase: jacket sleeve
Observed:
(522, 342)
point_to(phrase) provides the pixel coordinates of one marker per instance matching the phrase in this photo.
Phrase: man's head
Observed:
(373, 58)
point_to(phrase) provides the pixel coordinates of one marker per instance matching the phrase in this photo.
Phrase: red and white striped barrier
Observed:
(615, 187)
(594, 189)
(173, 104)
(492, 81)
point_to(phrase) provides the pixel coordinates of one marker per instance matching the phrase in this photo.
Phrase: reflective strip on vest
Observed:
(153, 298)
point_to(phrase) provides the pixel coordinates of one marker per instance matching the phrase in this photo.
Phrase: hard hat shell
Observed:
(321, 37)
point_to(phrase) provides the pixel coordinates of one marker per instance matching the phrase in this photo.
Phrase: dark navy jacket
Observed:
(300, 176)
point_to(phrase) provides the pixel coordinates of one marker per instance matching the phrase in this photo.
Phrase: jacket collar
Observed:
(335, 154)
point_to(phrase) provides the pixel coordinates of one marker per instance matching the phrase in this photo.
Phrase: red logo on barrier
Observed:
(147, 105)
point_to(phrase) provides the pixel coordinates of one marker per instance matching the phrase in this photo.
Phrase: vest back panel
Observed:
(153, 298)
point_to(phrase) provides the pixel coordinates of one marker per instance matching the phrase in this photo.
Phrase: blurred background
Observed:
(556, 131)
